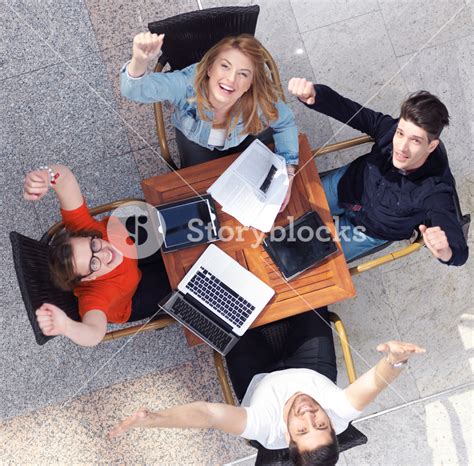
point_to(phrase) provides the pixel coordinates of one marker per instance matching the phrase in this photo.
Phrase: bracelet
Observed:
(52, 175)
(397, 365)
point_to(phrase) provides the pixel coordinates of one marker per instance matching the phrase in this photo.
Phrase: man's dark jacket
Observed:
(393, 204)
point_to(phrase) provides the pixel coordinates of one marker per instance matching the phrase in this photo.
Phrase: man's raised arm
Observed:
(200, 415)
(366, 388)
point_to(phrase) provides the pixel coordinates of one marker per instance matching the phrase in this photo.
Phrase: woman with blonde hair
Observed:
(220, 104)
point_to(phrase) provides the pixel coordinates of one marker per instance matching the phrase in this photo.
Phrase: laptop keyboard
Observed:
(220, 297)
(204, 327)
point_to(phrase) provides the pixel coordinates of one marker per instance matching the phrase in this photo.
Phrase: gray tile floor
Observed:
(59, 66)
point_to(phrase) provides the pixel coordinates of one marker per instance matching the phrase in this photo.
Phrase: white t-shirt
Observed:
(217, 137)
(267, 394)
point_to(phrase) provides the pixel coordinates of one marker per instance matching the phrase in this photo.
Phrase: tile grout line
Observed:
(440, 44)
(326, 118)
(342, 20)
(238, 461)
(414, 402)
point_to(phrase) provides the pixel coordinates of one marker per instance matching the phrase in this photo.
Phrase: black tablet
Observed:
(188, 222)
(302, 244)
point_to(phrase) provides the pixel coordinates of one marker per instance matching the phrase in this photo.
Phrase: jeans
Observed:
(354, 241)
(306, 341)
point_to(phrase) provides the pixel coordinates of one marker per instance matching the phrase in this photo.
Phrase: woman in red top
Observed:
(87, 259)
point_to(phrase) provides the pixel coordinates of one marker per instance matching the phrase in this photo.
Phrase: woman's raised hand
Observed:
(52, 320)
(36, 185)
(147, 46)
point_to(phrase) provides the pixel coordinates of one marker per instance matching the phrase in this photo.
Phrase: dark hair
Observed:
(325, 455)
(60, 259)
(427, 111)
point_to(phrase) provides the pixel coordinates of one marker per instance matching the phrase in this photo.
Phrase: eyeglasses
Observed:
(95, 264)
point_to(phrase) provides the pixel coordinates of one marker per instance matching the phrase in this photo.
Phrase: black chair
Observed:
(276, 336)
(189, 36)
(30, 257)
(416, 242)
(348, 439)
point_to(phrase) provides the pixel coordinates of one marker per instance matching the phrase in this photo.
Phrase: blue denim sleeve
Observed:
(157, 87)
(285, 134)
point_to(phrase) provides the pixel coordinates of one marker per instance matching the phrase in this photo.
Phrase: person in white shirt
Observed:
(298, 408)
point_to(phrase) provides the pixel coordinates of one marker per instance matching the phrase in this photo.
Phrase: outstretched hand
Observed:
(147, 46)
(142, 418)
(36, 185)
(303, 89)
(52, 320)
(437, 242)
(398, 351)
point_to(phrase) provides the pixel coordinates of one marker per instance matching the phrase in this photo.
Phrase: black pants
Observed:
(153, 287)
(302, 341)
(193, 154)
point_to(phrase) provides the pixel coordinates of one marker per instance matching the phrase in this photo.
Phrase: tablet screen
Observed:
(186, 222)
(304, 245)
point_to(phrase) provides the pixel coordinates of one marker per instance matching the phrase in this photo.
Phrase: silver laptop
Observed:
(218, 299)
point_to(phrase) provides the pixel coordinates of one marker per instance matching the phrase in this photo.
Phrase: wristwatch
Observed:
(399, 364)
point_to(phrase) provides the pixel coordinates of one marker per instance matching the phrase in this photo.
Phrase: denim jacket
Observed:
(177, 87)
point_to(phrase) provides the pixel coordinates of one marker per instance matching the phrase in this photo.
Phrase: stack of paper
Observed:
(253, 188)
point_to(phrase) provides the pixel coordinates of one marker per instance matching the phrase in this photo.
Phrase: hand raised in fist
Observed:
(146, 47)
(36, 185)
(437, 242)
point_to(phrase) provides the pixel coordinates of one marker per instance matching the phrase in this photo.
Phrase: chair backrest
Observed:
(31, 265)
(350, 438)
(189, 36)
(464, 220)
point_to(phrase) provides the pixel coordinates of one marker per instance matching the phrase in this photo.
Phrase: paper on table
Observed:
(239, 188)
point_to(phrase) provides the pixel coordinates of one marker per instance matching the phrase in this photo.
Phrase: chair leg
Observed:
(223, 380)
(157, 324)
(346, 349)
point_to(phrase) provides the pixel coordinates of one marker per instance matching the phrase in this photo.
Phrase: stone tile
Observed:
(61, 114)
(162, 390)
(368, 319)
(445, 71)
(449, 427)
(139, 118)
(436, 432)
(278, 31)
(129, 358)
(312, 15)
(39, 34)
(17, 215)
(117, 21)
(36, 376)
(393, 439)
(432, 307)
(150, 163)
(57, 434)
(415, 25)
(356, 59)
(315, 125)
